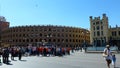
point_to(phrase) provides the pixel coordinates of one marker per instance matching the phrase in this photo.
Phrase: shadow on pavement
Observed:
(23, 60)
(9, 64)
(14, 60)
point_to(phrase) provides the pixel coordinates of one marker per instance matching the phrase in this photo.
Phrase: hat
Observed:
(107, 45)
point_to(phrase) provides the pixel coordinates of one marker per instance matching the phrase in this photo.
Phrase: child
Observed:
(113, 60)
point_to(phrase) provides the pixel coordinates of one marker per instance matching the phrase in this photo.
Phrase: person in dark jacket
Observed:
(6, 55)
(12, 53)
(20, 53)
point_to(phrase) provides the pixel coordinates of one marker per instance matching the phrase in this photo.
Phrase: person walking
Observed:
(108, 55)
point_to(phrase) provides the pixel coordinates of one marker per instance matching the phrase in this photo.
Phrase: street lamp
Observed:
(49, 39)
(43, 42)
(84, 42)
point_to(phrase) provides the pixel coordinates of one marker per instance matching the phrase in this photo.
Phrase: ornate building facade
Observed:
(45, 34)
(101, 33)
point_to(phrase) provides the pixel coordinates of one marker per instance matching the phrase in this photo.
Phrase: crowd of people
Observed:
(19, 51)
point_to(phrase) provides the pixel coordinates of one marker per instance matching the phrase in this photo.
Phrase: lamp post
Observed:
(84, 42)
(33, 36)
(49, 39)
(43, 42)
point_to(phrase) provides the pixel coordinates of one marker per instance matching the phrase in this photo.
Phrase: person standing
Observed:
(12, 53)
(114, 60)
(20, 53)
(6, 55)
(108, 56)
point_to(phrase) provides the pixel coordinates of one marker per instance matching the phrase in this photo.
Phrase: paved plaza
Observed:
(75, 60)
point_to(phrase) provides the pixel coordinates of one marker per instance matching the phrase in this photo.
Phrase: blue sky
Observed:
(58, 12)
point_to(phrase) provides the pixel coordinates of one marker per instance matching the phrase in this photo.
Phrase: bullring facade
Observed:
(44, 34)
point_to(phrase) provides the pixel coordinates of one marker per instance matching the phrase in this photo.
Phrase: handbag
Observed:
(104, 55)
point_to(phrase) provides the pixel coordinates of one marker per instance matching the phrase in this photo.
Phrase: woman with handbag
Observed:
(108, 55)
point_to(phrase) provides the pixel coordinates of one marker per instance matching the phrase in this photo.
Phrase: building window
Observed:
(36, 40)
(94, 27)
(58, 30)
(23, 35)
(101, 27)
(73, 35)
(49, 40)
(54, 30)
(31, 40)
(66, 35)
(45, 29)
(101, 22)
(94, 33)
(73, 40)
(40, 40)
(27, 40)
(76, 40)
(40, 35)
(58, 40)
(13, 35)
(97, 23)
(24, 30)
(69, 35)
(79, 41)
(102, 33)
(58, 35)
(16, 40)
(119, 32)
(28, 30)
(76, 35)
(62, 35)
(49, 29)
(70, 40)
(54, 40)
(114, 33)
(54, 35)
(73, 30)
(24, 40)
(19, 40)
(19, 35)
(66, 40)
(62, 30)
(76, 31)
(97, 27)
(98, 33)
